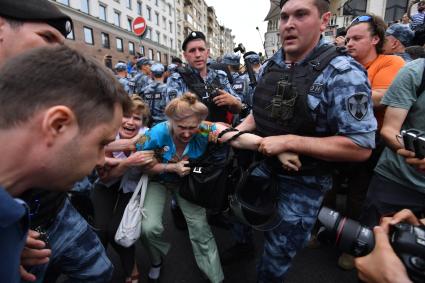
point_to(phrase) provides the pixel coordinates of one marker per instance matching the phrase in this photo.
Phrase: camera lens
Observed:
(350, 236)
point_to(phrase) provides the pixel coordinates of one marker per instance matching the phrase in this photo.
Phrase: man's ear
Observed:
(2, 26)
(58, 121)
(325, 18)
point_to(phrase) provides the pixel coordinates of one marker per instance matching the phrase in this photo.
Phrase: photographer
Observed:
(382, 265)
(396, 184)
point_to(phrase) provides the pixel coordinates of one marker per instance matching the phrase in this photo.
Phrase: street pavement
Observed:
(316, 265)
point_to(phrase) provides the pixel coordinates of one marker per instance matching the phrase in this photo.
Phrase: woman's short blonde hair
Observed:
(140, 107)
(186, 106)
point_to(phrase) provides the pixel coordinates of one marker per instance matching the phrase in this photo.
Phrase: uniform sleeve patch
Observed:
(357, 105)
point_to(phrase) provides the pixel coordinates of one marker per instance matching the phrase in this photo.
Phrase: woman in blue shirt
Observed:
(183, 136)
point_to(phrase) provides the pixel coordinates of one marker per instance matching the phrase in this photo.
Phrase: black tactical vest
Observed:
(205, 92)
(280, 100)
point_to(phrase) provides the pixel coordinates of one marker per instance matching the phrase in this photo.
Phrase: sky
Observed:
(242, 17)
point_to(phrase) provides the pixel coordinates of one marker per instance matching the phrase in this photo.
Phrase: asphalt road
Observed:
(310, 265)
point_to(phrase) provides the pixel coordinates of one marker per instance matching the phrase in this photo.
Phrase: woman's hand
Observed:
(180, 169)
(290, 161)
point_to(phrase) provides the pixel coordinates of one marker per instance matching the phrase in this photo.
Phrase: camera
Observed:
(349, 236)
(414, 140)
(240, 48)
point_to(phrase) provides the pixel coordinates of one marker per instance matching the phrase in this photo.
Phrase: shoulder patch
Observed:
(340, 63)
(357, 105)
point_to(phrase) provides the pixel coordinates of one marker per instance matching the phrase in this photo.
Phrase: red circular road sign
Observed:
(139, 26)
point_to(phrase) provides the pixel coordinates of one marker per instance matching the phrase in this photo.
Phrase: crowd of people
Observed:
(314, 117)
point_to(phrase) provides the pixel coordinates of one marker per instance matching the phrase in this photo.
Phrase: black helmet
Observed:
(255, 201)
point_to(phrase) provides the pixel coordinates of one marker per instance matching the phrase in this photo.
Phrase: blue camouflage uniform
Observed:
(241, 86)
(300, 197)
(139, 81)
(121, 67)
(124, 83)
(176, 85)
(154, 94)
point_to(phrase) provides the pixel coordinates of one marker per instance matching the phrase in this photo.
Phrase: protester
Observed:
(111, 195)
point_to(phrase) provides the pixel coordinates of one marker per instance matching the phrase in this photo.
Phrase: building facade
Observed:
(343, 12)
(103, 28)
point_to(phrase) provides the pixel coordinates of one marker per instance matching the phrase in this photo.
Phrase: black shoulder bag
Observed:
(206, 184)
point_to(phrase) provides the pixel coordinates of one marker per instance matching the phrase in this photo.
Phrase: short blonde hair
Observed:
(185, 106)
(140, 107)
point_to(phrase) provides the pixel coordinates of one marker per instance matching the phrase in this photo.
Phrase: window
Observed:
(105, 40)
(71, 35)
(120, 47)
(131, 48)
(157, 19)
(117, 18)
(65, 2)
(88, 35)
(179, 42)
(139, 8)
(178, 29)
(149, 13)
(129, 22)
(158, 37)
(156, 2)
(150, 56)
(158, 56)
(164, 39)
(149, 33)
(142, 50)
(128, 4)
(85, 6)
(170, 26)
(164, 22)
(169, 9)
(171, 43)
(102, 12)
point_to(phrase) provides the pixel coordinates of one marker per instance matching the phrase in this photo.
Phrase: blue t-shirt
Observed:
(14, 221)
(159, 138)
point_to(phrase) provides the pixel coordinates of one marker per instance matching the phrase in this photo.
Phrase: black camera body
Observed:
(349, 236)
(240, 48)
(414, 140)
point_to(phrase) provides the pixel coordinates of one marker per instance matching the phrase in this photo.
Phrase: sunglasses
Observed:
(362, 19)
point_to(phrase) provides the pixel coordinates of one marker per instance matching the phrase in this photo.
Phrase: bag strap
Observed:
(144, 180)
(141, 188)
(237, 136)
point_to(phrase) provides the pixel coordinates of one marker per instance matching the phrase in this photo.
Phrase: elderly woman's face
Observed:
(184, 130)
(130, 126)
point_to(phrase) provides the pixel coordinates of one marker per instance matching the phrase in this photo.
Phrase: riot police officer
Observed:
(240, 82)
(121, 74)
(211, 86)
(312, 102)
(142, 78)
(154, 94)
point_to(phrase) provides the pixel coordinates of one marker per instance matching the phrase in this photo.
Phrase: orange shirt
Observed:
(381, 73)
